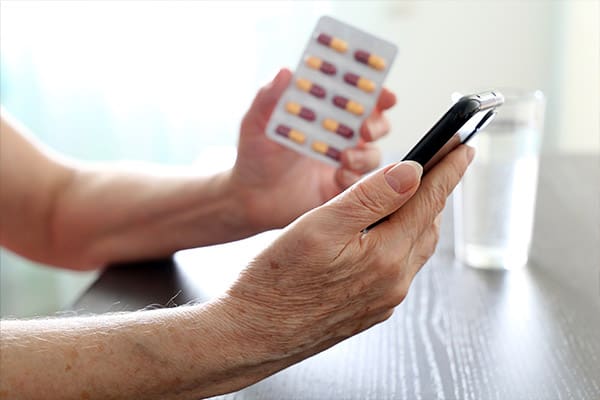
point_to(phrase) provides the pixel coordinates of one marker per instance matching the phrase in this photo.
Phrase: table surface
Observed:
(461, 333)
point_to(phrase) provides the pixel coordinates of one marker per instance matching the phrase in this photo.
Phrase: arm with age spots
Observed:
(331, 282)
(185, 352)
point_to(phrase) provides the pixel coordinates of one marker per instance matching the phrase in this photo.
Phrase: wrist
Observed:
(254, 213)
(244, 328)
(235, 212)
(263, 319)
(232, 347)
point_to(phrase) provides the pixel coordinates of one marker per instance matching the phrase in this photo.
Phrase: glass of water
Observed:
(495, 202)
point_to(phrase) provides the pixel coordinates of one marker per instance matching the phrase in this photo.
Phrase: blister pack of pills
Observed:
(334, 89)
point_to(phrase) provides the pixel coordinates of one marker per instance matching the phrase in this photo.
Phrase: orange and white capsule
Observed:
(323, 66)
(338, 45)
(326, 150)
(363, 84)
(335, 127)
(292, 134)
(307, 86)
(302, 112)
(348, 105)
(372, 60)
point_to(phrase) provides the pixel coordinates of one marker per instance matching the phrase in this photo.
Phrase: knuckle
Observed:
(389, 313)
(421, 257)
(432, 245)
(438, 195)
(426, 248)
(386, 315)
(398, 294)
(455, 174)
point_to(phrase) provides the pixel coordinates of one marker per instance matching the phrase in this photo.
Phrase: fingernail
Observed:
(470, 153)
(356, 160)
(374, 126)
(402, 176)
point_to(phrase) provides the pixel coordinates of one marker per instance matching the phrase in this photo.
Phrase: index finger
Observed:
(410, 221)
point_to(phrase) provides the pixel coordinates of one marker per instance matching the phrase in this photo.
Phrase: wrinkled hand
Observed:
(277, 184)
(324, 280)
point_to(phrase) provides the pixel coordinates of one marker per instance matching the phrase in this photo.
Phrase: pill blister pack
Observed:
(334, 89)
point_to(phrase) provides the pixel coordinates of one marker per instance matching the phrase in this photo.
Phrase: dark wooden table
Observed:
(461, 333)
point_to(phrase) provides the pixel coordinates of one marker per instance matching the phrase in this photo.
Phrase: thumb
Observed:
(374, 197)
(262, 107)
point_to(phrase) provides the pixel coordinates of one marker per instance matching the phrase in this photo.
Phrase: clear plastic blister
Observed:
(334, 89)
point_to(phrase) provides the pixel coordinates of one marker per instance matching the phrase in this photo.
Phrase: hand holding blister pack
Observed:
(334, 89)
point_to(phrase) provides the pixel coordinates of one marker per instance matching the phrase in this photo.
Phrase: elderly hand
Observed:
(276, 184)
(324, 280)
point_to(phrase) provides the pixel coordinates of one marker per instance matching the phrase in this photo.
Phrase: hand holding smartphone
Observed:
(469, 115)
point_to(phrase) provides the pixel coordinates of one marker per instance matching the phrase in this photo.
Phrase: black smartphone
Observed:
(469, 115)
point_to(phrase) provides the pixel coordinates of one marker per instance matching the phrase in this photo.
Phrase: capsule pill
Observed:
(307, 86)
(292, 134)
(326, 150)
(363, 84)
(337, 44)
(302, 112)
(335, 127)
(348, 105)
(371, 60)
(323, 66)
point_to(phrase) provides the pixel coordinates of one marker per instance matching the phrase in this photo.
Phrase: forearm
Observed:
(108, 215)
(187, 352)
